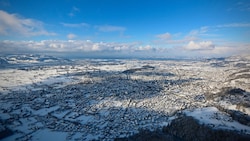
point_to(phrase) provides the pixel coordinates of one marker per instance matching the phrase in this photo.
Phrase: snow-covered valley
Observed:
(44, 98)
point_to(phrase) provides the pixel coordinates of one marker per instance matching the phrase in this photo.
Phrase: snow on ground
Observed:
(13, 79)
(216, 119)
(107, 99)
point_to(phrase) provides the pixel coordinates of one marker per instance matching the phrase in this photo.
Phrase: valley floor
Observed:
(119, 99)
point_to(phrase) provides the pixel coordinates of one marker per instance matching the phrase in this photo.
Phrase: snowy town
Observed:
(44, 98)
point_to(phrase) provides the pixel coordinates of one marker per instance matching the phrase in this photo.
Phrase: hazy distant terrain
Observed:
(44, 98)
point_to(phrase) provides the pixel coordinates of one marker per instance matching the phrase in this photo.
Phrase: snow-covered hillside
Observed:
(43, 98)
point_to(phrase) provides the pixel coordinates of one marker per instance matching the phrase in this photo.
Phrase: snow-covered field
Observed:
(44, 98)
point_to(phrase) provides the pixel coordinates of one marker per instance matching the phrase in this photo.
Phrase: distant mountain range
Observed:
(29, 59)
(23, 59)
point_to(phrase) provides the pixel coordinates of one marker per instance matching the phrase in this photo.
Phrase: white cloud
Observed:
(204, 45)
(74, 10)
(193, 35)
(208, 49)
(12, 24)
(110, 28)
(164, 36)
(242, 6)
(233, 25)
(96, 47)
(74, 25)
(68, 46)
(71, 36)
(134, 49)
(204, 29)
(227, 50)
(169, 39)
(193, 44)
(145, 48)
(205, 41)
(197, 33)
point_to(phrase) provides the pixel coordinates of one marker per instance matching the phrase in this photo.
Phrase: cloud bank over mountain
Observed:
(134, 49)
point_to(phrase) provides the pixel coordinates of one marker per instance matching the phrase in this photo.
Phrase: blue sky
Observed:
(153, 28)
